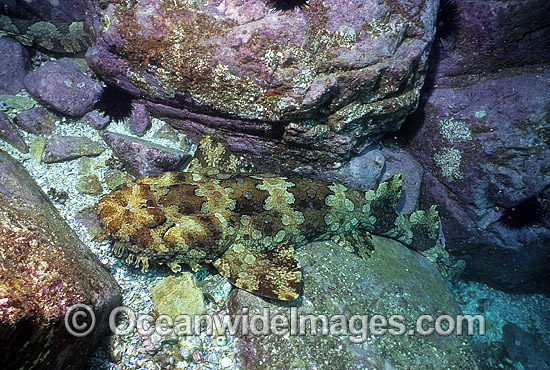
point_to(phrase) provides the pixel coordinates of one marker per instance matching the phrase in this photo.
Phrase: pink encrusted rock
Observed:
(45, 269)
(10, 134)
(63, 148)
(37, 120)
(300, 90)
(139, 120)
(144, 158)
(62, 86)
(12, 66)
(485, 147)
(96, 120)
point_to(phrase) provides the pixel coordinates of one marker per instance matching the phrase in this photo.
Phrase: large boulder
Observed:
(482, 134)
(394, 280)
(45, 269)
(299, 89)
(64, 87)
(488, 36)
(485, 148)
(12, 66)
(52, 11)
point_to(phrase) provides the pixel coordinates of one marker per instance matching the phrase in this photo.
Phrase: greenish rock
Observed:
(167, 132)
(63, 148)
(178, 295)
(86, 165)
(89, 185)
(114, 178)
(17, 102)
(394, 280)
(215, 288)
(37, 147)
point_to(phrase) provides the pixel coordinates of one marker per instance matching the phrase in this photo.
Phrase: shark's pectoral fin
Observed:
(272, 274)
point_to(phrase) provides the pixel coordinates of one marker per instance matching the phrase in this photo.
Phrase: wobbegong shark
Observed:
(249, 225)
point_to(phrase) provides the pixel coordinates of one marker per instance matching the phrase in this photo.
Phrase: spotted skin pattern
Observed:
(248, 225)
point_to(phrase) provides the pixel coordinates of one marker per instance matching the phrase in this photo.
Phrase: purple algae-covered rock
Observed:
(492, 35)
(139, 120)
(485, 147)
(45, 269)
(96, 120)
(50, 11)
(336, 282)
(144, 158)
(12, 66)
(300, 90)
(9, 134)
(62, 86)
(37, 120)
(64, 148)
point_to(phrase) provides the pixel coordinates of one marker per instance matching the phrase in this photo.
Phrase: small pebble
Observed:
(225, 362)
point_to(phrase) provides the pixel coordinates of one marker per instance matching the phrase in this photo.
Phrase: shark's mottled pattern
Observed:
(248, 225)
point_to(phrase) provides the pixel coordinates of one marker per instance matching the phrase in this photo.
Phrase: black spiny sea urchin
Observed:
(285, 5)
(115, 103)
(526, 214)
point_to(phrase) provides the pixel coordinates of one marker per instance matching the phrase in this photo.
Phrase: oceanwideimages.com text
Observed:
(80, 321)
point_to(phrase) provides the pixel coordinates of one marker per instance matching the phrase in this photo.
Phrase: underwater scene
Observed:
(275, 184)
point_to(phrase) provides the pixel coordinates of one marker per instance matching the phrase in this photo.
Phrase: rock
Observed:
(12, 66)
(399, 161)
(178, 295)
(362, 172)
(369, 169)
(45, 270)
(38, 121)
(96, 120)
(299, 90)
(64, 148)
(485, 149)
(523, 347)
(114, 178)
(215, 288)
(9, 134)
(51, 11)
(62, 86)
(37, 148)
(86, 165)
(139, 120)
(89, 185)
(490, 36)
(167, 132)
(335, 282)
(144, 158)
(88, 218)
(19, 102)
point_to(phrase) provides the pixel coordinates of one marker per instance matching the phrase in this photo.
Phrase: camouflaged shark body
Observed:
(248, 225)
(58, 37)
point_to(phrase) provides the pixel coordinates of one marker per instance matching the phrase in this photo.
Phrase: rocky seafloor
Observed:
(528, 312)
(467, 82)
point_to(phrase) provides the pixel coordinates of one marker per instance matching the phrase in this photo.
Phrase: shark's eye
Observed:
(285, 5)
